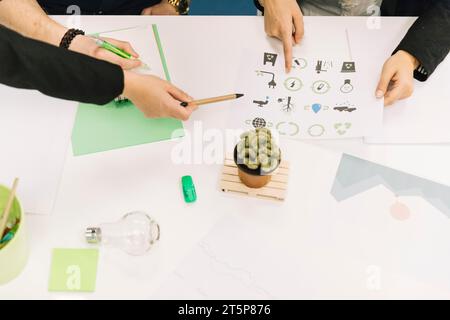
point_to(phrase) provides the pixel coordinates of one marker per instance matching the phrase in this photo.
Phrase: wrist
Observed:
(129, 79)
(410, 58)
(69, 37)
(83, 44)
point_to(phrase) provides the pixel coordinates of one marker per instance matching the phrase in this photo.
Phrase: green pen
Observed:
(112, 48)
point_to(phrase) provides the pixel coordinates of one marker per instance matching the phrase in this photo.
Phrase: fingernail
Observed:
(379, 94)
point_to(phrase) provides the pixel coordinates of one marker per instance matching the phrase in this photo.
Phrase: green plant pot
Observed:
(13, 256)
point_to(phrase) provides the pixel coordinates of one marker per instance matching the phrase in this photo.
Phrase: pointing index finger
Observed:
(287, 46)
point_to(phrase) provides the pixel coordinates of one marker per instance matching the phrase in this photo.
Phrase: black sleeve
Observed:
(30, 64)
(429, 38)
(258, 6)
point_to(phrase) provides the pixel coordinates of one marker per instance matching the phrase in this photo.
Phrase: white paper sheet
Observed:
(34, 135)
(355, 241)
(424, 117)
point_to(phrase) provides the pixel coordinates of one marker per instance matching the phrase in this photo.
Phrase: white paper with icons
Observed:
(325, 96)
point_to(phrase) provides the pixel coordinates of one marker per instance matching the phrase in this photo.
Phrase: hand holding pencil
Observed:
(155, 97)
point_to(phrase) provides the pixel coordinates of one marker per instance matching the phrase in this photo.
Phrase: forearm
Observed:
(31, 64)
(27, 18)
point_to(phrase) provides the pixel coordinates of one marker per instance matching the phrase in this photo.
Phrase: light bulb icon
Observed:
(347, 87)
(135, 233)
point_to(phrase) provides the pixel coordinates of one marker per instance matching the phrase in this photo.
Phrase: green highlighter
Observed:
(112, 48)
(188, 189)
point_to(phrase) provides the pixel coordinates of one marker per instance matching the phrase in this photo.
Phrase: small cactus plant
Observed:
(258, 151)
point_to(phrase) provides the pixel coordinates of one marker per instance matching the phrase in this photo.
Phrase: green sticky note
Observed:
(73, 270)
(109, 127)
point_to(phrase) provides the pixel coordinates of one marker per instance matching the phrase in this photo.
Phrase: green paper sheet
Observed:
(103, 128)
(109, 127)
(73, 270)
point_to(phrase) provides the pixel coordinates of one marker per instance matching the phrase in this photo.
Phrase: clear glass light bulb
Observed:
(135, 233)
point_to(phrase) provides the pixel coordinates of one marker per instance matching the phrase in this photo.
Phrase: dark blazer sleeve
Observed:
(258, 6)
(30, 64)
(429, 38)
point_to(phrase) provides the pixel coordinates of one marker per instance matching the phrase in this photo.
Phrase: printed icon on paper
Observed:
(348, 67)
(299, 63)
(342, 128)
(259, 123)
(262, 103)
(323, 66)
(270, 58)
(272, 84)
(321, 87)
(293, 84)
(347, 87)
(317, 107)
(345, 107)
(288, 128)
(316, 130)
(286, 104)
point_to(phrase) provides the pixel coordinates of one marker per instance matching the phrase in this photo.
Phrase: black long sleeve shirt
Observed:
(428, 39)
(31, 64)
(97, 7)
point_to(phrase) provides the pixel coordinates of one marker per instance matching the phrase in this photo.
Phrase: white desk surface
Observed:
(101, 187)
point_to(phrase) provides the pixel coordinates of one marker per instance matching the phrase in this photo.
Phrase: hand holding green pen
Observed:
(124, 55)
(112, 48)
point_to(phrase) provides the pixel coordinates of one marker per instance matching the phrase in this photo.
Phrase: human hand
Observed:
(397, 78)
(87, 46)
(155, 97)
(283, 19)
(163, 8)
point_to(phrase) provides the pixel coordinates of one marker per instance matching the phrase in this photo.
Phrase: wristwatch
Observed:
(182, 6)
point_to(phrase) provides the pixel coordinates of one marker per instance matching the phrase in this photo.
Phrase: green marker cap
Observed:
(188, 189)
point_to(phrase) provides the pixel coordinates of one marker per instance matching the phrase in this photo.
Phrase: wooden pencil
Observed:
(212, 100)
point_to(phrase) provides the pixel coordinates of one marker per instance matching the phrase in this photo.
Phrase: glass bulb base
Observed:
(93, 235)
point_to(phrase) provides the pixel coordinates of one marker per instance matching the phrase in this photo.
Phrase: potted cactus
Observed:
(257, 156)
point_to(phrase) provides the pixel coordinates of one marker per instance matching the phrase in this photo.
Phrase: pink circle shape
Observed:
(400, 211)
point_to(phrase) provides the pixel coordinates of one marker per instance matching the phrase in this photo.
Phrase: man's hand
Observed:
(161, 9)
(87, 46)
(155, 97)
(397, 78)
(283, 19)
